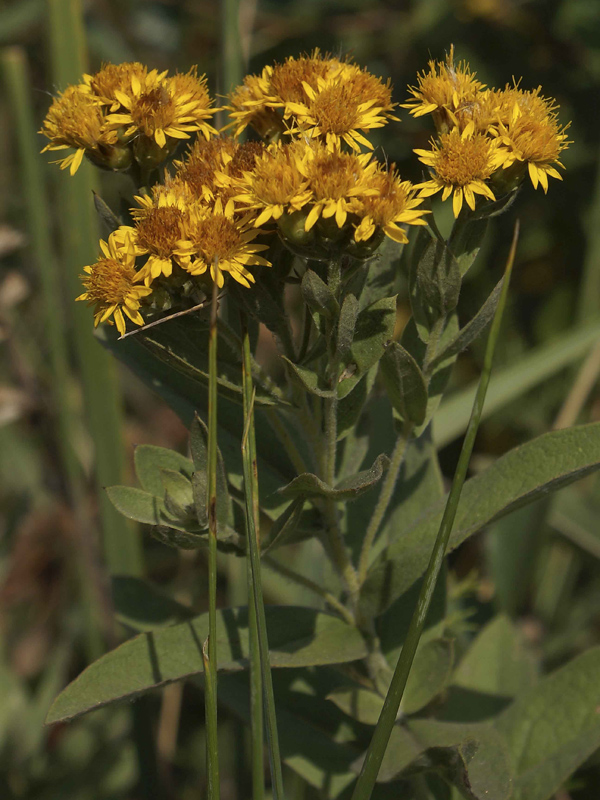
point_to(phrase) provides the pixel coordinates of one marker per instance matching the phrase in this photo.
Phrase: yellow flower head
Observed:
(112, 284)
(394, 203)
(335, 180)
(259, 100)
(340, 106)
(160, 107)
(460, 164)
(76, 120)
(276, 183)
(200, 165)
(530, 134)
(113, 78)
(217, 242)
(444, 90)
(159, 228)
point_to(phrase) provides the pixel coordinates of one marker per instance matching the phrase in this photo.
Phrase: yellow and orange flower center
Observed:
(110, 281)
(152, 110)
(159, 229)
(333, 175)
(287, 78)
(113, 77)
(75, 119)
(461, 160)
(217, 238)
(244, 158)
(276, 180)
(390, 200)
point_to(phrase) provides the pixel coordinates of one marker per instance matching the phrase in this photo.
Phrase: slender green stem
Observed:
(301, 580)
(211, 648)
(256, 694)
(387, 490)
(389, 712)
(252, 521)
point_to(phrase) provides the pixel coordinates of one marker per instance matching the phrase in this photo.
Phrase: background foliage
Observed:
(539, 566)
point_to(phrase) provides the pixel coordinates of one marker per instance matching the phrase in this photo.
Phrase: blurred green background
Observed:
(70, 417)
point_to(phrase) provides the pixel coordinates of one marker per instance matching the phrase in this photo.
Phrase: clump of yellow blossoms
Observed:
(311, 180)
(487, 138)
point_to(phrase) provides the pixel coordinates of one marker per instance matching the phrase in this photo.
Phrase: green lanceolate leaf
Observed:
(107, 215)
(140, 506)
(465, 242)
(318, 296)
(178, 489)
(554, 727)
(307, 380)
(434, 281)
(472, 329)
(150, 460)
(180, 540)
(516, 479)
(346, 325)
(361, 704)
(405, 383)
(284, 526)
(373, 332)
(199, 451)
(142, 606)
(471, 757)
(429, 675)
(298, 637)
(381, 273)
(308, 485)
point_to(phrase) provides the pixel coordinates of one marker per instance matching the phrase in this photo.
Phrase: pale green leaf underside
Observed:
(298, 637)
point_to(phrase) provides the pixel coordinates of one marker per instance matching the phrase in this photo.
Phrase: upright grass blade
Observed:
(209, 652)
(122, 546)
(387, 719)
(16, 78)
(255, 583)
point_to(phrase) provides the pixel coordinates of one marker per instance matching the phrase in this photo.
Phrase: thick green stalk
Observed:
(122, 545)
(387, 490)
(14, 68)
(252, 521)
(210, 646)
(387, 719)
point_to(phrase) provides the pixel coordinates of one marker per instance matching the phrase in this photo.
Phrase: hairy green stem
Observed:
(387, 719)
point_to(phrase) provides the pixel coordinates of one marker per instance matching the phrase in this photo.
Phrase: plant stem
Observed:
(252, 521)
(210, 662)
(387, 490)
(301, 580)
(389, 712)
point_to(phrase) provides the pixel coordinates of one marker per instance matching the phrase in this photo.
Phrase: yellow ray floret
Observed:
(161, 107)
(217, 242)
(445, 89)
(76, 120)
(277, 184)
(531, 134)
(112, 284)
(460, 164)
(395, 203)
(338, 108)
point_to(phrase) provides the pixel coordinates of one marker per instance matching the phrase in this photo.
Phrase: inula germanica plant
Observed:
(382, 687)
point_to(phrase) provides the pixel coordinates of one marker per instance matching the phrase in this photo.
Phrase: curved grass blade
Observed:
(255, 584)
(387, 719)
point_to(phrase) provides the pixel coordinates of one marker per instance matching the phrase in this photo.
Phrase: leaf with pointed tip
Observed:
(149, 460)
(179, 539)
(298, 637)
(361, 704)
(306, 379)
(530, 471)
(106, 214)
(346, 325)
(318, 296)
(472, 329)
(405, 383)
(429, 674)
(554, 727)
(178, 487)
(308, 485)
(284, 526)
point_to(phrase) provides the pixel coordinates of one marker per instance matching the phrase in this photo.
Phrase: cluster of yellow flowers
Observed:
(308, 178)
(487, 138)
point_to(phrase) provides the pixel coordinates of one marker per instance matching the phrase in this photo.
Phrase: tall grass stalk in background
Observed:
(17, 82)
(387, 719)
(79, 229)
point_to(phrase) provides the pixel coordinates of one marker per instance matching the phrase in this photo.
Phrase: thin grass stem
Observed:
(252, 520)
(210, 662)
(387, 719)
